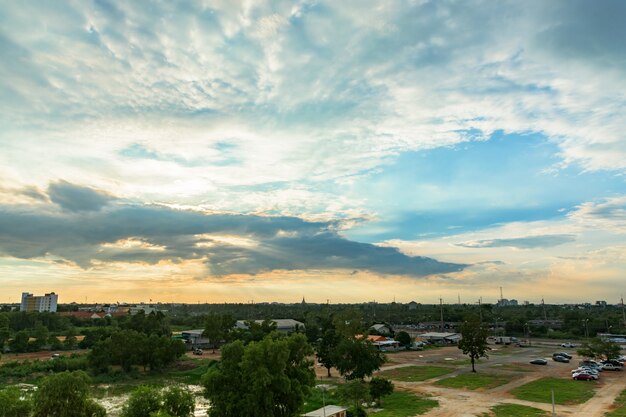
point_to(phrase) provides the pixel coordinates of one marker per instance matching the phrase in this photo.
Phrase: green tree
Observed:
(19, 342)
(326, 346)
(357, 359)
(5, 332)
(269, 378)
(70, 339)
(380, 387)
(142, 402)
(599, 348)
(217, 327)
(474, 340)
(178, 402)
(14, 403)
(403, 338)
(354, 392)
(66, 395)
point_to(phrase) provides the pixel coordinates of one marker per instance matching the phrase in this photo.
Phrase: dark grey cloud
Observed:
(528, 242)
(77, 198)
(585, 31)
(85, 231)
(322, 250)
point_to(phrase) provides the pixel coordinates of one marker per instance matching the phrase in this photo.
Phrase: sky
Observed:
(341, 151)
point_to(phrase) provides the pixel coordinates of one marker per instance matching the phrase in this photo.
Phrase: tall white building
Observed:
(47, 302)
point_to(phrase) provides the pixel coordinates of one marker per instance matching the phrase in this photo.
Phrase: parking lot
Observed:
(512, 363)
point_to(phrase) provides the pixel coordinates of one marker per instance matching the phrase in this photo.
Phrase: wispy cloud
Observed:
(527, 242)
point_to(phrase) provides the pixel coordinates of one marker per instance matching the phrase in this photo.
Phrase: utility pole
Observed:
(480, 309)
(543, 305)
(501, 297)
(623, 313)
(441, 308)
(459, 295)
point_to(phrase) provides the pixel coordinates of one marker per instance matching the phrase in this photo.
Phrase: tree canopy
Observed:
(474, 340)
(357, 358)
(599, 348)
(66, 395)
(269, 378)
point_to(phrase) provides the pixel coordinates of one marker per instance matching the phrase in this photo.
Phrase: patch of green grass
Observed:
(514, 367)
(315, 400)
(566, 391)
(515, 410)
(475, 381)
(415, 373)
(404, 404)
(619, 406)
(119, 383)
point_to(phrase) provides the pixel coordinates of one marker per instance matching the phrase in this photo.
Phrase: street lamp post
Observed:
(585, 322)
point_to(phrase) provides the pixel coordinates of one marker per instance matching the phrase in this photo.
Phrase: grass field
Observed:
(475, 381)
(619, 406)
(566, 391)
(514, 410)
(515, 367)
(415, 373)
(404, 404)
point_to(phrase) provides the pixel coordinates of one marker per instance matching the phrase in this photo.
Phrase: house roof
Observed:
(438, 335)
(329, 410)
(376, 338)
(379, 326)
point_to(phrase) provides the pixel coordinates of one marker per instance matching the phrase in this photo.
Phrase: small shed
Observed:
(442, 338)
(328, 411)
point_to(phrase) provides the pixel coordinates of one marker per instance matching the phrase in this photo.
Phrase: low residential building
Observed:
(441, 338)
(282, 325)
(40, 303)
(381, 328)
(194, 339)
(328, 411)
(413, 305)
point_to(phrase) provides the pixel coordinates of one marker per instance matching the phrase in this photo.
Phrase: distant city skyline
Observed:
(351, 151)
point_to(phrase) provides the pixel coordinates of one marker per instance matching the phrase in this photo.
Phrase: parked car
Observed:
(593, 376)
(613, 362)
(585, 370)
(559, 358)
(611, 367)
(564, 354)
(198, 351)
(582, 377)
(539, 362)
(568, 345)
(590, 363)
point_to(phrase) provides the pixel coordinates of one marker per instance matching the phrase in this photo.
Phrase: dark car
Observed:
(614, 362)
(539, 362)
(583, 377)
(559, 358)
(564, 354)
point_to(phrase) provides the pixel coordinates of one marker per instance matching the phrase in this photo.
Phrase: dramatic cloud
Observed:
(528, 242)
(76, 198)
(247, 137)
(92, 234)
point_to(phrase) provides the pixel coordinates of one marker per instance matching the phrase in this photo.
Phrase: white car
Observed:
(611, 367)
(594, 376)
(568, 345)
(583, 369)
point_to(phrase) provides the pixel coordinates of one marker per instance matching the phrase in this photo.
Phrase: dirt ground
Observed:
(474, 403)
